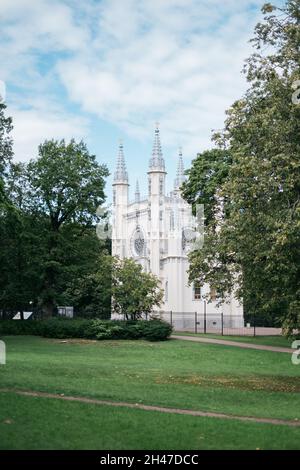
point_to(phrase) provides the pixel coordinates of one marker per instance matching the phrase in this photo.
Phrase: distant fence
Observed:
(217, 323)
(195, 322)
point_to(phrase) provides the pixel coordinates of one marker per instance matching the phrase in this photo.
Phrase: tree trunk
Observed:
(50, 274)
(48, 309)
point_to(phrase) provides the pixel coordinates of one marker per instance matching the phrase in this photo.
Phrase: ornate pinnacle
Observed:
(121, 174)
(157, 161)
(180, 177)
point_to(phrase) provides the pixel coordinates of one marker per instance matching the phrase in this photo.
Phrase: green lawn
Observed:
(39, 423)
(173, 373)
(280, 341)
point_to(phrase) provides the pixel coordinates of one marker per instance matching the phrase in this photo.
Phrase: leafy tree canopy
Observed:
(134, 291)
(208, 172)
(66, 183)
(48, 230)
(255, 248)
(6, 148)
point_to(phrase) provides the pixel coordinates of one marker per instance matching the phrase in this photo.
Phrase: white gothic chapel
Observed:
(152, 231)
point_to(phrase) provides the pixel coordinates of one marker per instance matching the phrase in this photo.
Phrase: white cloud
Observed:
(129, 62)
(27, 24)
(30, 30)
(32, 127)
(176, 61)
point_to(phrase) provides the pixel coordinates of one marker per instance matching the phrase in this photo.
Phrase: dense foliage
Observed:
(252, 245)
(135, 292)
(6, 149)
(48, 231)
(249, 184)
(208, 172)
(151, 330)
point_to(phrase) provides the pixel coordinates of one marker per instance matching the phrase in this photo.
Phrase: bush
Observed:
(156, 330)
(101, 329)
(64, 328)
(19, 327)
(152, 330)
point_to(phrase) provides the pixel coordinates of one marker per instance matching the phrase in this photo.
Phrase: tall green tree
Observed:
(90, 291)
(22, 249)
(255, 248)
(13, 254)
(134, 292)
(6, 148)
(205, 177)
(65, 188)
(22, 237)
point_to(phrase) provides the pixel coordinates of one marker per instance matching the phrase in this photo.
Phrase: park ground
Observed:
(173, 374)
(276, 341)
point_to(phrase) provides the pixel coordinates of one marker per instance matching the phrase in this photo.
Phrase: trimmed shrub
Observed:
(21, 327)
(152, 330)
(101, 329)
(156, 330)
(64, 328)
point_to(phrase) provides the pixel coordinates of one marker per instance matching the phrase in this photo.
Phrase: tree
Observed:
(21, 237)
(18, 282)
(134, 291)
(256, 246)
(208, 172)
(65, 188)
(6, 148)
(26, 233)
(91, 292)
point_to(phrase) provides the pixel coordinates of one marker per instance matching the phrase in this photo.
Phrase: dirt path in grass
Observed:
(237, 344)
(138, 406)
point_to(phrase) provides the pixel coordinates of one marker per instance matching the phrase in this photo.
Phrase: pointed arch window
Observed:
(166, 291)
(196, 291)
(172, 220)
(213, 294)
(161, 185)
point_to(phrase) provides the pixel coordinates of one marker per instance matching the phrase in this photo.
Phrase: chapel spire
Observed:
(157, 162)
(137, 192)
(121, 175)
(180, 177)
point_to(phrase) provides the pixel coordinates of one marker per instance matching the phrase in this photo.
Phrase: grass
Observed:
(39, 423)
(279, 341)
(173, 373)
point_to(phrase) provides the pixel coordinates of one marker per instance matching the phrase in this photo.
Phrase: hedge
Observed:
(151, 330)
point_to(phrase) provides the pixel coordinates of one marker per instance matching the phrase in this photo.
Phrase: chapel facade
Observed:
(156, 231)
